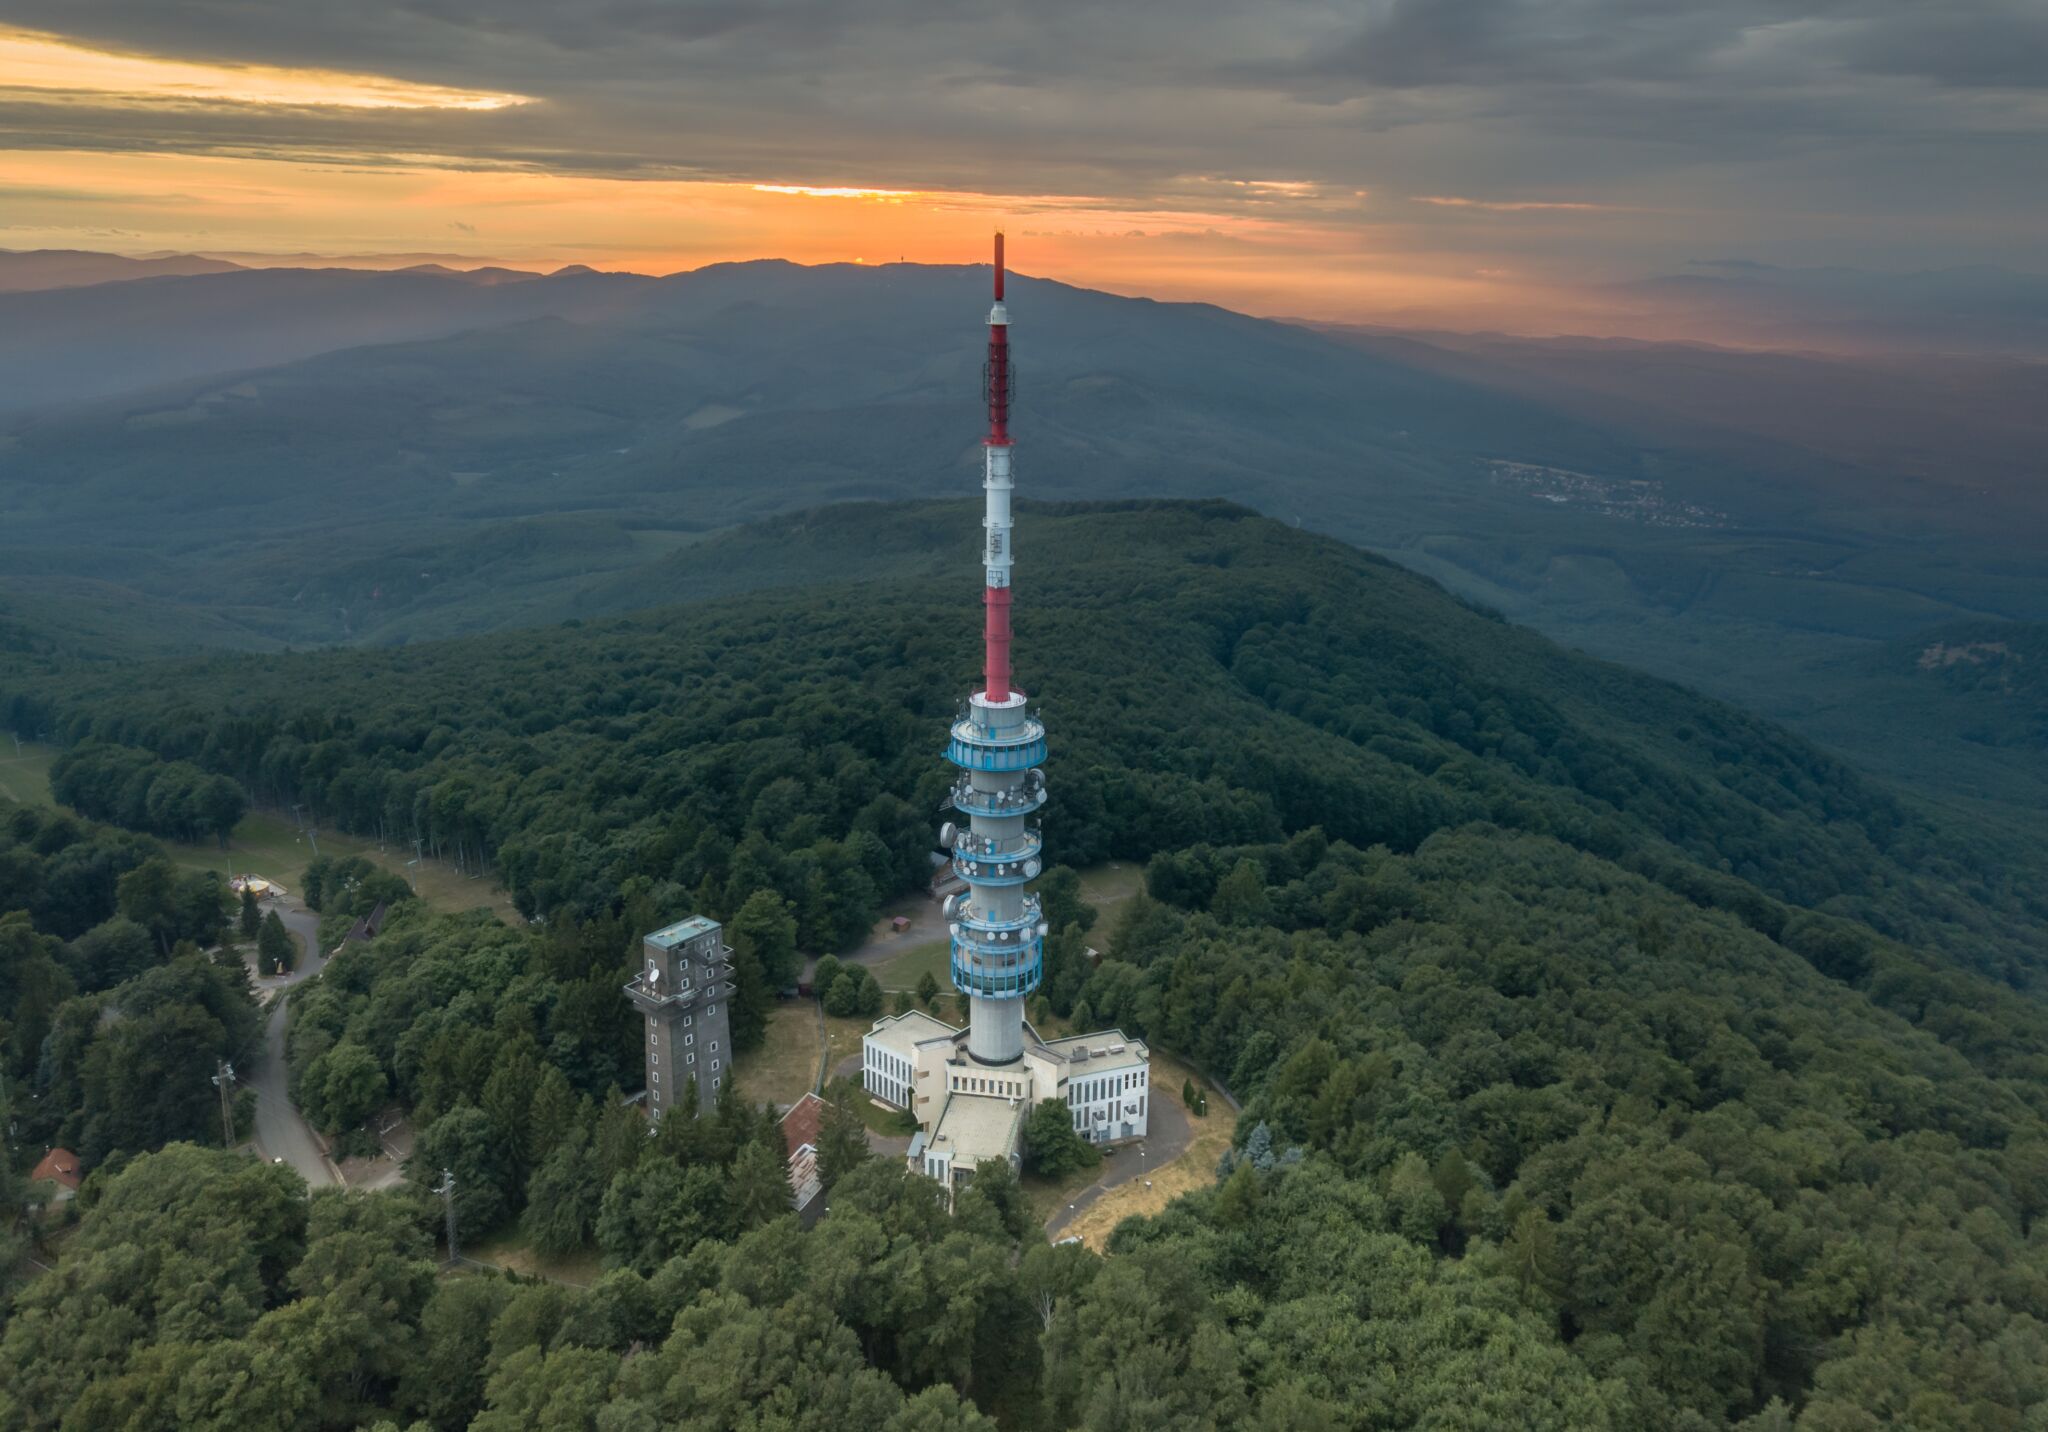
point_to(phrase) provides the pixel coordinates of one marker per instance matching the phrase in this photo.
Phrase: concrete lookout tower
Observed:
(998, 742)
(681, 994)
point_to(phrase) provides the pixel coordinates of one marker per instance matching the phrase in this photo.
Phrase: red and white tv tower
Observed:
(999, 745)
(997, 485)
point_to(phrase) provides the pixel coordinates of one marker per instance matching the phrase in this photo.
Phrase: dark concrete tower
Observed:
(682, 993)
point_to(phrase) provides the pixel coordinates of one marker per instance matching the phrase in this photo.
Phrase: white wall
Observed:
(1111, 1103)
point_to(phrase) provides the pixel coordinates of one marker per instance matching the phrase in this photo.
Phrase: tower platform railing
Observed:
(1017, 800)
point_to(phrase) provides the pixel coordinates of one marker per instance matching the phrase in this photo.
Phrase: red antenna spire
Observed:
(996, 556)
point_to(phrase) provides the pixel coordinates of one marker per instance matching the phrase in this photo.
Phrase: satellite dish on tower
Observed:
(947, 832)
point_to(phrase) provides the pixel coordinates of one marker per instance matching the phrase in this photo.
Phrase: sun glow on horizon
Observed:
(808, 191)
(54, 67)
(1304, 261)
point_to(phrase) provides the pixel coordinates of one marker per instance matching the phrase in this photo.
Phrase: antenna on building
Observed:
(446, 1188)
(224, 1080)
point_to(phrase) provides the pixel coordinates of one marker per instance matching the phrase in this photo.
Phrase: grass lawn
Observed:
(270, 845)
(1046, 1197)
(514, 1254)
(783, 1069)
(26, 777)
(1107, 884)
(842, 1042)
(905, 970)
(890, 1123)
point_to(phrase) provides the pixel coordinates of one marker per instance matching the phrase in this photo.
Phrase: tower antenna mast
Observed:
(998, 950)
(996, 594)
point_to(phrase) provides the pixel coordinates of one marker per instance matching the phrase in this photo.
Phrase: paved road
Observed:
(280, 1131)
(1168, 1135)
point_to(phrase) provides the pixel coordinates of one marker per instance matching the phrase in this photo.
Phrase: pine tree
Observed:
(274, 950)
(252, 918)
(842, 1137)
(553, 1115)
(760, 1186)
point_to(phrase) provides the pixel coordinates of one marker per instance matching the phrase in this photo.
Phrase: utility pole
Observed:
(296, 822)
(314, 836)
(224, 1080)
(446, 1189)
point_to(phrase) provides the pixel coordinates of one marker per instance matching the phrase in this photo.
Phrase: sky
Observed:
(1510, 163)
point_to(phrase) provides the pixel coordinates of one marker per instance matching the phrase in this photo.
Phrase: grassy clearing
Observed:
(1110, 883)
(783, 1069)
(1195, 1168)
(270, 845)
(890, 1123)
(842, 1042)
(1047, 1197)
(905, 970)
(26, 777)
(514, 1254)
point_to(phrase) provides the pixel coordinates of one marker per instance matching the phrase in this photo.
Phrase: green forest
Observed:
(1608, 1058)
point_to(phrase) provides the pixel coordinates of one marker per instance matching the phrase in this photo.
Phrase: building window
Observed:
(714, 1065)
(689, 1039)
(689, 1059)
(714, 1046)
(657, 1077)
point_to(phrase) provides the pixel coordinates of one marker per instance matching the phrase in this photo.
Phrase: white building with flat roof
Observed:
(967, 1110)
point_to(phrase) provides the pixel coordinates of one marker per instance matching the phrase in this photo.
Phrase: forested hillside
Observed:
(111, 1017)
(1610, 1059)
(1528, 1141)
(539, 448)
(1203, 670)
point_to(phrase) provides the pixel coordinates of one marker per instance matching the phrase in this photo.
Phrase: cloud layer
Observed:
(1567, 138)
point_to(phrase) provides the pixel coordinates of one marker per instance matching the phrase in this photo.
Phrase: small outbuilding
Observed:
(801, 1128)
(60, 1167)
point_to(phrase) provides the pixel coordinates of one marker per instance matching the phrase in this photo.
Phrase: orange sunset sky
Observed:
(1301, 162)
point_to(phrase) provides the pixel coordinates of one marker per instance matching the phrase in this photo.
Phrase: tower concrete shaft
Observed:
(998, 939)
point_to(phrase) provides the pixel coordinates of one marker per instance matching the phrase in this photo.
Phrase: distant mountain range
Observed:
(300, 455)
(35, 269)
(1978, 308)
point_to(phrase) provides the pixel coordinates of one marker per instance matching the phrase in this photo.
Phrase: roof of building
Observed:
(803, 1123)
(1103, 1045)
(974, 1127)
(901, 1033)
(61, 1166)
(682, 930)
(369, 926)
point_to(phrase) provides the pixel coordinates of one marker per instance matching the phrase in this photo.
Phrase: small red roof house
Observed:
(800, 1130)
(59, 1166)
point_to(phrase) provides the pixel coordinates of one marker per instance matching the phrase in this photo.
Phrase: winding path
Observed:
(281, 1131)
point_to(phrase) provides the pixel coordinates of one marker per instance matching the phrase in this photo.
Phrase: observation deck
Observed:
(1017, 747)
(650, 994)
